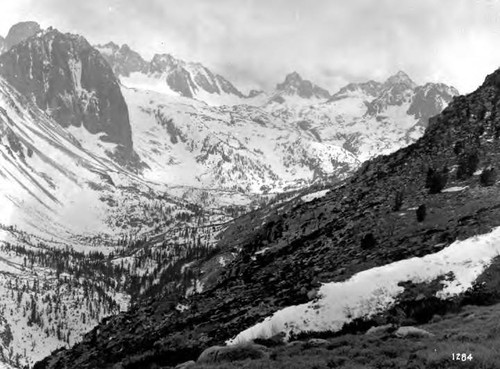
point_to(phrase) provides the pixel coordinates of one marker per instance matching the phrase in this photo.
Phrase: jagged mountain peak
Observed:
(20, 32)
(400, 78)
(295, 85)
(164, 62)
(166, 74)
(292, 78)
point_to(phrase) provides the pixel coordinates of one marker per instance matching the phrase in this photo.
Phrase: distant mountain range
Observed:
(311, 134)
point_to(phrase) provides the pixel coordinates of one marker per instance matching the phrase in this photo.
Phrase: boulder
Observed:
(311, 295)
(380, 330)
(295, 343)
(412, 332)
(317, 342)
(218, 354)
(186, 365)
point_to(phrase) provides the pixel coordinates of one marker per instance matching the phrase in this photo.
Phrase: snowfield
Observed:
(375, 290)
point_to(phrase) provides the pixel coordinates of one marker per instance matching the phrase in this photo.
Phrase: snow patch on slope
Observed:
(315, 195)
(375, 290)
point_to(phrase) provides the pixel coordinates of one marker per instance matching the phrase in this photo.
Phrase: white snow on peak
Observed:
(375, 290)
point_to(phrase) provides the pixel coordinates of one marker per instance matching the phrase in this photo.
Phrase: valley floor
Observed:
(474, 331)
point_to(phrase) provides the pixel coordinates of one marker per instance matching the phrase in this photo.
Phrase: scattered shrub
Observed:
(436, 181)
(429, 177)
(467, 165)
(488, 177)
(368, 241)
(458, 148)
(398, 200)
(421, 213)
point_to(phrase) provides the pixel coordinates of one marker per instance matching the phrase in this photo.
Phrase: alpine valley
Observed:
(150, 210)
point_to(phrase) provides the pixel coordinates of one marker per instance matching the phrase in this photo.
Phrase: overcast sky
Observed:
(254, 43)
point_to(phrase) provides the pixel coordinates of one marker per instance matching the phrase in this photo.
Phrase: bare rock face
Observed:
(65, 76)
(295, 85)
(20, 32)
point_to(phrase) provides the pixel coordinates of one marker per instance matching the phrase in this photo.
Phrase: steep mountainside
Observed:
(287, 251)
(2, 44)
(166, 74)
(72, 82)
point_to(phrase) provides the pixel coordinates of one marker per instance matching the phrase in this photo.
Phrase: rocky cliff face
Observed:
(65, 76)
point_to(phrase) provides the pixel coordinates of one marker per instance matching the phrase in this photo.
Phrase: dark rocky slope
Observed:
(320, 241)
(65, 76)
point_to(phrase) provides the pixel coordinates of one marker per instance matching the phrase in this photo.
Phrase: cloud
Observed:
(256, 42)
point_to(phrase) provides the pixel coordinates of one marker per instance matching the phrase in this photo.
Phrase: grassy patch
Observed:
(475, 330)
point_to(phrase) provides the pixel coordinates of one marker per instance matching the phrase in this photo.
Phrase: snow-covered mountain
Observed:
(169, 75)
(293, 136)
(100, 149)
(366, 119)
(294, 85)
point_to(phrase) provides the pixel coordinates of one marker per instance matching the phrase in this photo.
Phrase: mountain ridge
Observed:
(186, 78)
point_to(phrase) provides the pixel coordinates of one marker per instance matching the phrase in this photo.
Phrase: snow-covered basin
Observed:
(375, 290)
